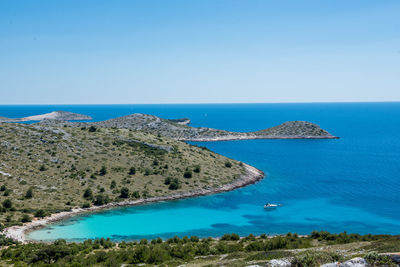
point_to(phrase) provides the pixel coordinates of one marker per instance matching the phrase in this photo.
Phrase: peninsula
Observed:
(55, 115)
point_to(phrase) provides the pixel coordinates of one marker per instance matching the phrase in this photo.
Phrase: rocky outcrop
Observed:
(55, 115)
(356, 262)
(168, 128)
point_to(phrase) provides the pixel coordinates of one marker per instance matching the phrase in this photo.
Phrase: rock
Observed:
(279, 263)
(356, 262)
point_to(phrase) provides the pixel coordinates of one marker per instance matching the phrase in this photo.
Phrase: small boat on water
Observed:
(271, 206)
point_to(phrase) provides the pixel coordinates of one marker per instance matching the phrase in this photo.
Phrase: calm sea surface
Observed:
(351, 184)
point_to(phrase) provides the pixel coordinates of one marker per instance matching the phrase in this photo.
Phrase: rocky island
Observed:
(180, 131)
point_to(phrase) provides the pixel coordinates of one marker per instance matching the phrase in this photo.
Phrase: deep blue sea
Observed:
(351, 184)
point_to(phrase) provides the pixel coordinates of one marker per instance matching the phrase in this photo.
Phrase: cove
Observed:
(350, 184)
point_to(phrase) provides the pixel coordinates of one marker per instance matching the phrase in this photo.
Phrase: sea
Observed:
(349, 184)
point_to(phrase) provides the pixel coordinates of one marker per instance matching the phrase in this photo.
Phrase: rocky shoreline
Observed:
(18, 233)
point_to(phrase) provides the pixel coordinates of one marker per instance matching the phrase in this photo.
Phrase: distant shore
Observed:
(249, 137)
(18, 233)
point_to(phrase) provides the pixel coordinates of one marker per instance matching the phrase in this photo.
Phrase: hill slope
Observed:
(50, 168)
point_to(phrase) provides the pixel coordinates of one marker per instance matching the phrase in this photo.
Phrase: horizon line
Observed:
(204, 103)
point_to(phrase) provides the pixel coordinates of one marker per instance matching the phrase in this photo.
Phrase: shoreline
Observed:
(255, 137)
(18, 233)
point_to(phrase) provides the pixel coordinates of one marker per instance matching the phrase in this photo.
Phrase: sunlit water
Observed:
(350, 184)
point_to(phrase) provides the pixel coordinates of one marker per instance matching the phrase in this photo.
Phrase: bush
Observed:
(86, 205)
(26, 218)
(113, 184)
(228, 164)
(3, 187)
(92, 129)
(88, 194)
(7, 204)
(187, 174)
(40, 214)
(132, 171)
(124, 192)
(29, 193)
(101, 199)
(136, 194)
(196, 169)
(103, 171)
(175, 184)
(42, 168)
(167, 180)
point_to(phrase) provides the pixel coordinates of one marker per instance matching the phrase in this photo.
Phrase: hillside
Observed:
(46, 169)
(178, 131)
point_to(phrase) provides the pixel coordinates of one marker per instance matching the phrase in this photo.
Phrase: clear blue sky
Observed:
(204, 51)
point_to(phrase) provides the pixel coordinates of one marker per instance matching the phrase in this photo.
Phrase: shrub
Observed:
(113, 184)
(155, 162)
(88, 194)
(29, 193)
(187, 174)
(86, 205)
(101, 199)
(167, 180)
(103, 170)
(175, 184)
(92, 129)
(228, 164)
(42, 168)
(40, 213)
(26, 218)
(132, 171)
(136, 194)
(7, 204)
(124, 192)
(3, 187)
(196, 169)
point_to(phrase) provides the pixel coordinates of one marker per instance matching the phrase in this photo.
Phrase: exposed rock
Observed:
(356, 262)
(279, 263)
(183, 121)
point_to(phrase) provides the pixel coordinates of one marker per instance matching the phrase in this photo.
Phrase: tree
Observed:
(228, 164)
(187, 174)
(7, 204)
(3, 187)
(29, 193)
(155, 162)
(124, 192)
(132, 171)
(103, 170)
(88, 194)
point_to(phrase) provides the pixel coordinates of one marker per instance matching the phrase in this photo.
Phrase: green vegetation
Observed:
(58, 168)
(230, 250)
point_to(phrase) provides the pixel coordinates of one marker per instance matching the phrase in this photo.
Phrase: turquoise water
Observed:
(351, 184)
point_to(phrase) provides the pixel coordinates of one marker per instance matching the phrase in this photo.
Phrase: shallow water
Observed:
(351, 184)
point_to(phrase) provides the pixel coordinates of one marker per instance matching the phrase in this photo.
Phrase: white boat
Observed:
(271, 206)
